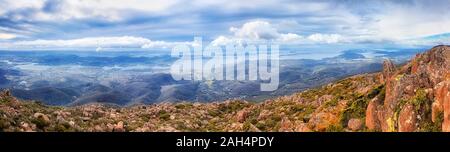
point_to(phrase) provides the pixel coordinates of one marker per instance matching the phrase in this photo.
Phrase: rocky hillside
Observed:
(413, 97)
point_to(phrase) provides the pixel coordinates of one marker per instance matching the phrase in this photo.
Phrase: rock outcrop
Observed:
(416, 94)
(372, 115)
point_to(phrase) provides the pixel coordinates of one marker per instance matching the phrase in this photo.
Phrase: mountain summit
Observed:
(411, 97)
(417, 94)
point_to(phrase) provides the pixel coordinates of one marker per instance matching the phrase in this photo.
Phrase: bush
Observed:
(3, 101)
(40, 123)
(183, 105)
(261, 126)
(164, 115)
(382, 93)
(253, 120)
(376, 91)
(232, 106)
(180, 106)
(333, 102)
(4, 123)
(335, 128)
(213, 113)
(356, 109)
(246, 126)
(271, 123)
(62, 127)
(145, 117)
(420, 100)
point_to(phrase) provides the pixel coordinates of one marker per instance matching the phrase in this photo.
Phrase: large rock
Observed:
(440, 96)
(286, 125)
(322, 120)
(446, 123)
(301, 127)
(388, 69)
(242, 115)
(372, 121)
(407, 119)
(442, 104)
(42, 117)
(355, 124)
(264, 114)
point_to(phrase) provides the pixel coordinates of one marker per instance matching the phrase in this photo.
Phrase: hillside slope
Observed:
(414, 97)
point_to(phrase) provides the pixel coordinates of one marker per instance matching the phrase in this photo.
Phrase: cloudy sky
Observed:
(160, 24)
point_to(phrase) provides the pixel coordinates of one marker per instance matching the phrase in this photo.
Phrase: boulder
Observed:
(322, 120)
(301, 127)
(355, 124)
(242, 115)
(119, 127)
(286, 125)
(43, 117)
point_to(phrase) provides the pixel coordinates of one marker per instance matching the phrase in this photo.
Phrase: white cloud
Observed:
(112, 10)
(115, 10)
(406, 21)
(165, 45)
(290, 37)
(6, 36)
(264, 31)
(326, 38)
(256, 30)
(96, 43)
(223, 40)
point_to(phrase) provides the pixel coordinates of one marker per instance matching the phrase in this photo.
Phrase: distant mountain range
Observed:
(67, 78)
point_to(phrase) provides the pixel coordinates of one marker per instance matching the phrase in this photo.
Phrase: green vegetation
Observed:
(233, 106)
(4, 123)
(392, 123)
(399, 77)
(247, 126)
(183, 105)
(422, 106)
(379, 90)
(253, 116)
(335, 128)
(40, 122)
(62, 127)
(164, 115)
(356, 107)
(3, 100)
(333, 102)
(261, 125)
(214, 112)
(429, 126)
(420, 100)
(303, 111)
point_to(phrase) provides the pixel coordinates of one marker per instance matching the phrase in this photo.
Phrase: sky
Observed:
(161, 24)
